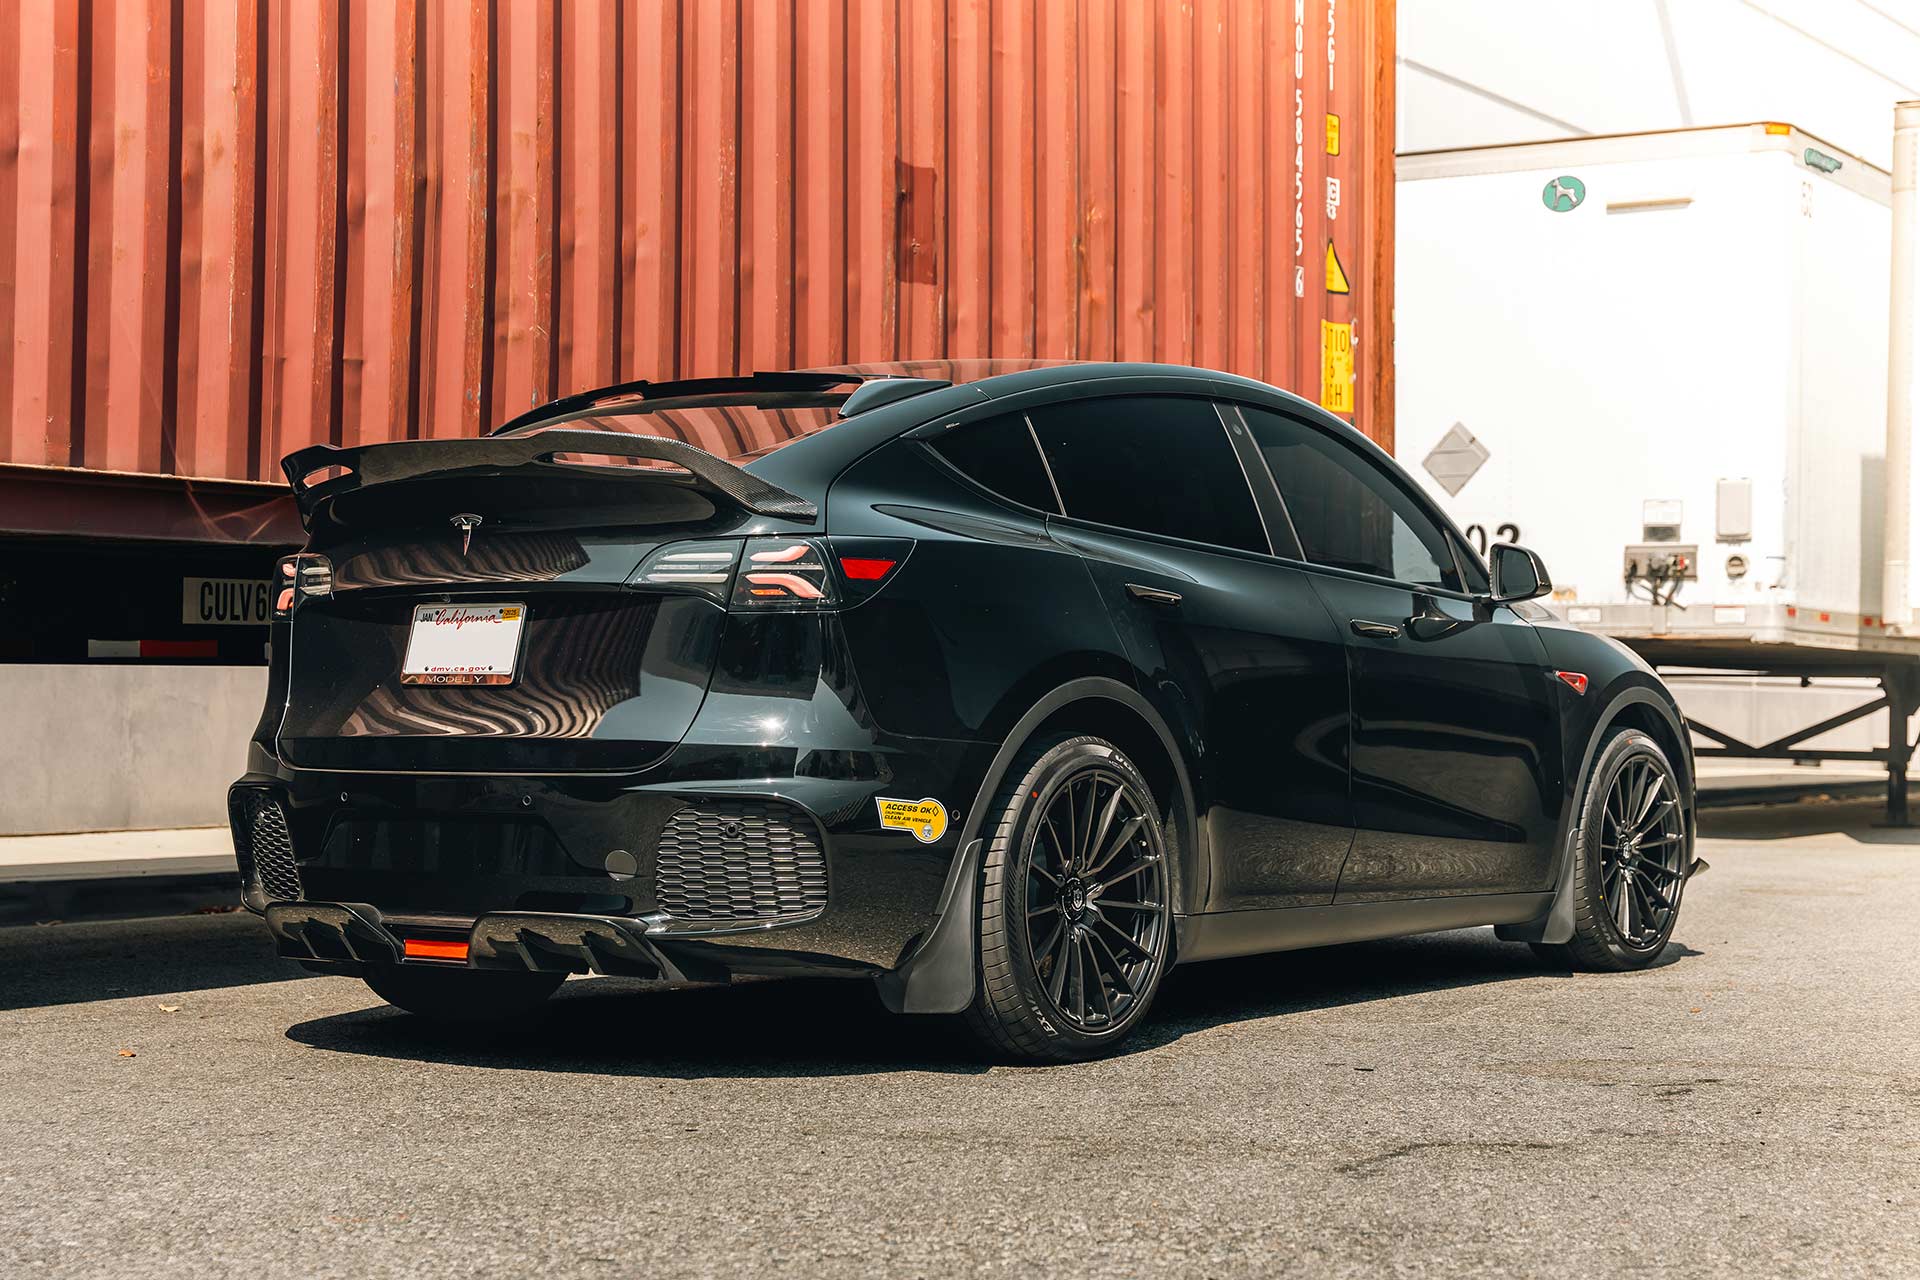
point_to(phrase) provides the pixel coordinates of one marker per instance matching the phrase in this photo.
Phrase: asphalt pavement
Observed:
(177, 1101)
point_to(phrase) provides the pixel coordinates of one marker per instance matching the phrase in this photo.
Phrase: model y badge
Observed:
(466, 523)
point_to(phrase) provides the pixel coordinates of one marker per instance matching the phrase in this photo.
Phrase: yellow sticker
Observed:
(1336, 367)
(926, 819)
(510, 613)
(1336, 274)
(1333, 134)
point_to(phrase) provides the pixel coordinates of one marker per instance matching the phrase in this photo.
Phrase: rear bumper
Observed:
(754, 845)
(596, 873)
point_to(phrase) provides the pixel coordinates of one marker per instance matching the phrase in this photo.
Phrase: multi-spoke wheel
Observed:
(1076, 905)
(1642, 841)
(1096, 898)
(1632, 852)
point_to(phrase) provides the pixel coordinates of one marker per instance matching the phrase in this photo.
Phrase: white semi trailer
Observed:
(1660, 360)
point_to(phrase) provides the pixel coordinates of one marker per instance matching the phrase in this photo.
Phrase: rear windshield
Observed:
(735, 429)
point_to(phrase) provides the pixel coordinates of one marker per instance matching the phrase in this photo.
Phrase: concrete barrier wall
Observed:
(120, 748)
(127, 748)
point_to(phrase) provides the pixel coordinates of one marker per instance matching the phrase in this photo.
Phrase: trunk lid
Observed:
(604, 676)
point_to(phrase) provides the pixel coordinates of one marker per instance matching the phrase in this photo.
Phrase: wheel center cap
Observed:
(1073, 898)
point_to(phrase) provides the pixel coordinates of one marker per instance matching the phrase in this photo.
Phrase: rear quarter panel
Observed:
(986, 616)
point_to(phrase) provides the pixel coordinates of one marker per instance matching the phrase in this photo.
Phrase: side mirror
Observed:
(1518, 574)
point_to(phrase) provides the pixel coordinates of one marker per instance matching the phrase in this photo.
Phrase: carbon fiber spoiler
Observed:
(374, 464)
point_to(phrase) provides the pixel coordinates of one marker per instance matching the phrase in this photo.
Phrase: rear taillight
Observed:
(295, 576)
(775, 573)
(784, 573)
(282, 587)
(696, 568)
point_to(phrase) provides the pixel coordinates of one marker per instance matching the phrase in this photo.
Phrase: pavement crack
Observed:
(1370, 1163)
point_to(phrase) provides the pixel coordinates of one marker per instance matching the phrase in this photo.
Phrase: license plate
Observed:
(463, 644)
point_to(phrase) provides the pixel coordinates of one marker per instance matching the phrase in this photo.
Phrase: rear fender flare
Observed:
(939, 976)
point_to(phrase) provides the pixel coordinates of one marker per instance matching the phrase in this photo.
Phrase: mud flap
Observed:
(938, 976)
(1557, 925)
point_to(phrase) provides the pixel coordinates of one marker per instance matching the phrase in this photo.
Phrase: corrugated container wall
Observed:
(231, 228)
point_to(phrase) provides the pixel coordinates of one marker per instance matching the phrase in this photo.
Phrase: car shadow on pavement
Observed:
(807, 1027)
(57, 964)
(1201, 996)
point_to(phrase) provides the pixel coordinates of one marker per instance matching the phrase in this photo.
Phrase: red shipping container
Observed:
(232, 228)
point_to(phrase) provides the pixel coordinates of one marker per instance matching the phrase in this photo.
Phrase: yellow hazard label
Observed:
(1336, 274)
(1336, 367)
(1333, 134)
(926, 819)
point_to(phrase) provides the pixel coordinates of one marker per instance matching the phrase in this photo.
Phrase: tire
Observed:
(1611, 934)
(469, 996)
(1106, 915)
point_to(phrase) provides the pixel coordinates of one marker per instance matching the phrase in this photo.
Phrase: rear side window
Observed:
(1157, 464)
(1348, 512)
(1000, 456)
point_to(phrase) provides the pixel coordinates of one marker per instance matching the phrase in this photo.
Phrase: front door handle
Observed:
(1374, 630)
(1153, 595)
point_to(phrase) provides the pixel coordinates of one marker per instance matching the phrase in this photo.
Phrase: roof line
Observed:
(1481, 92)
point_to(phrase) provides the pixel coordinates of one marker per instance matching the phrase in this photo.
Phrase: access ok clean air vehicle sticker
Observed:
(926, 819)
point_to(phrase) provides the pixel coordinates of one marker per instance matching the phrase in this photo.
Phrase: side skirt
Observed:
(1219, 934)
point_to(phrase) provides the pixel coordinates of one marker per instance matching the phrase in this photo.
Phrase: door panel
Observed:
(1248, 665)
(1455, 747)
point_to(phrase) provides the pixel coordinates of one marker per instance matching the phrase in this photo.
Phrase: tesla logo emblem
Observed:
(466, 523)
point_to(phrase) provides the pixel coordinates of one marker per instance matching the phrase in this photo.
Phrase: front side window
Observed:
(1155, 464)
(1348, 512)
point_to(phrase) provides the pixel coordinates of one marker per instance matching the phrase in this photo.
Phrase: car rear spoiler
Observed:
(374, 464)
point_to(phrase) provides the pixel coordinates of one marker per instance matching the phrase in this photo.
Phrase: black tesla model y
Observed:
(1005, 686)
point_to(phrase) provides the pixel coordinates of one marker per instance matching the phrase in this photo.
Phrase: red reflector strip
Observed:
(179, 648)
(153, 648)
(1574, 680)
(433, 949)
(863, 570)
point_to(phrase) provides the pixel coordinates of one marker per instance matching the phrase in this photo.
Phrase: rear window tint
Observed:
(1158, 464)
(1000, 456)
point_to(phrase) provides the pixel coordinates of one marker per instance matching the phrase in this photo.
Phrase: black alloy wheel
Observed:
(1642, 844)
(1076, 910)
(1631, 855)
(1096, 910)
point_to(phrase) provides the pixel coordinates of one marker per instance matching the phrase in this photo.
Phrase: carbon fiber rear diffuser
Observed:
(354, 933)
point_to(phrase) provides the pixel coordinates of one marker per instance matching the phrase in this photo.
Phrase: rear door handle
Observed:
(1374, 630)
(1153, 595)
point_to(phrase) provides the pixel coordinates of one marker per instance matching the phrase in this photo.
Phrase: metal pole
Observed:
(1898, 682)
(1898, 556)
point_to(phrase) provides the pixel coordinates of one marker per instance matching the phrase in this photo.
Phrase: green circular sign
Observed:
(1564, 194)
